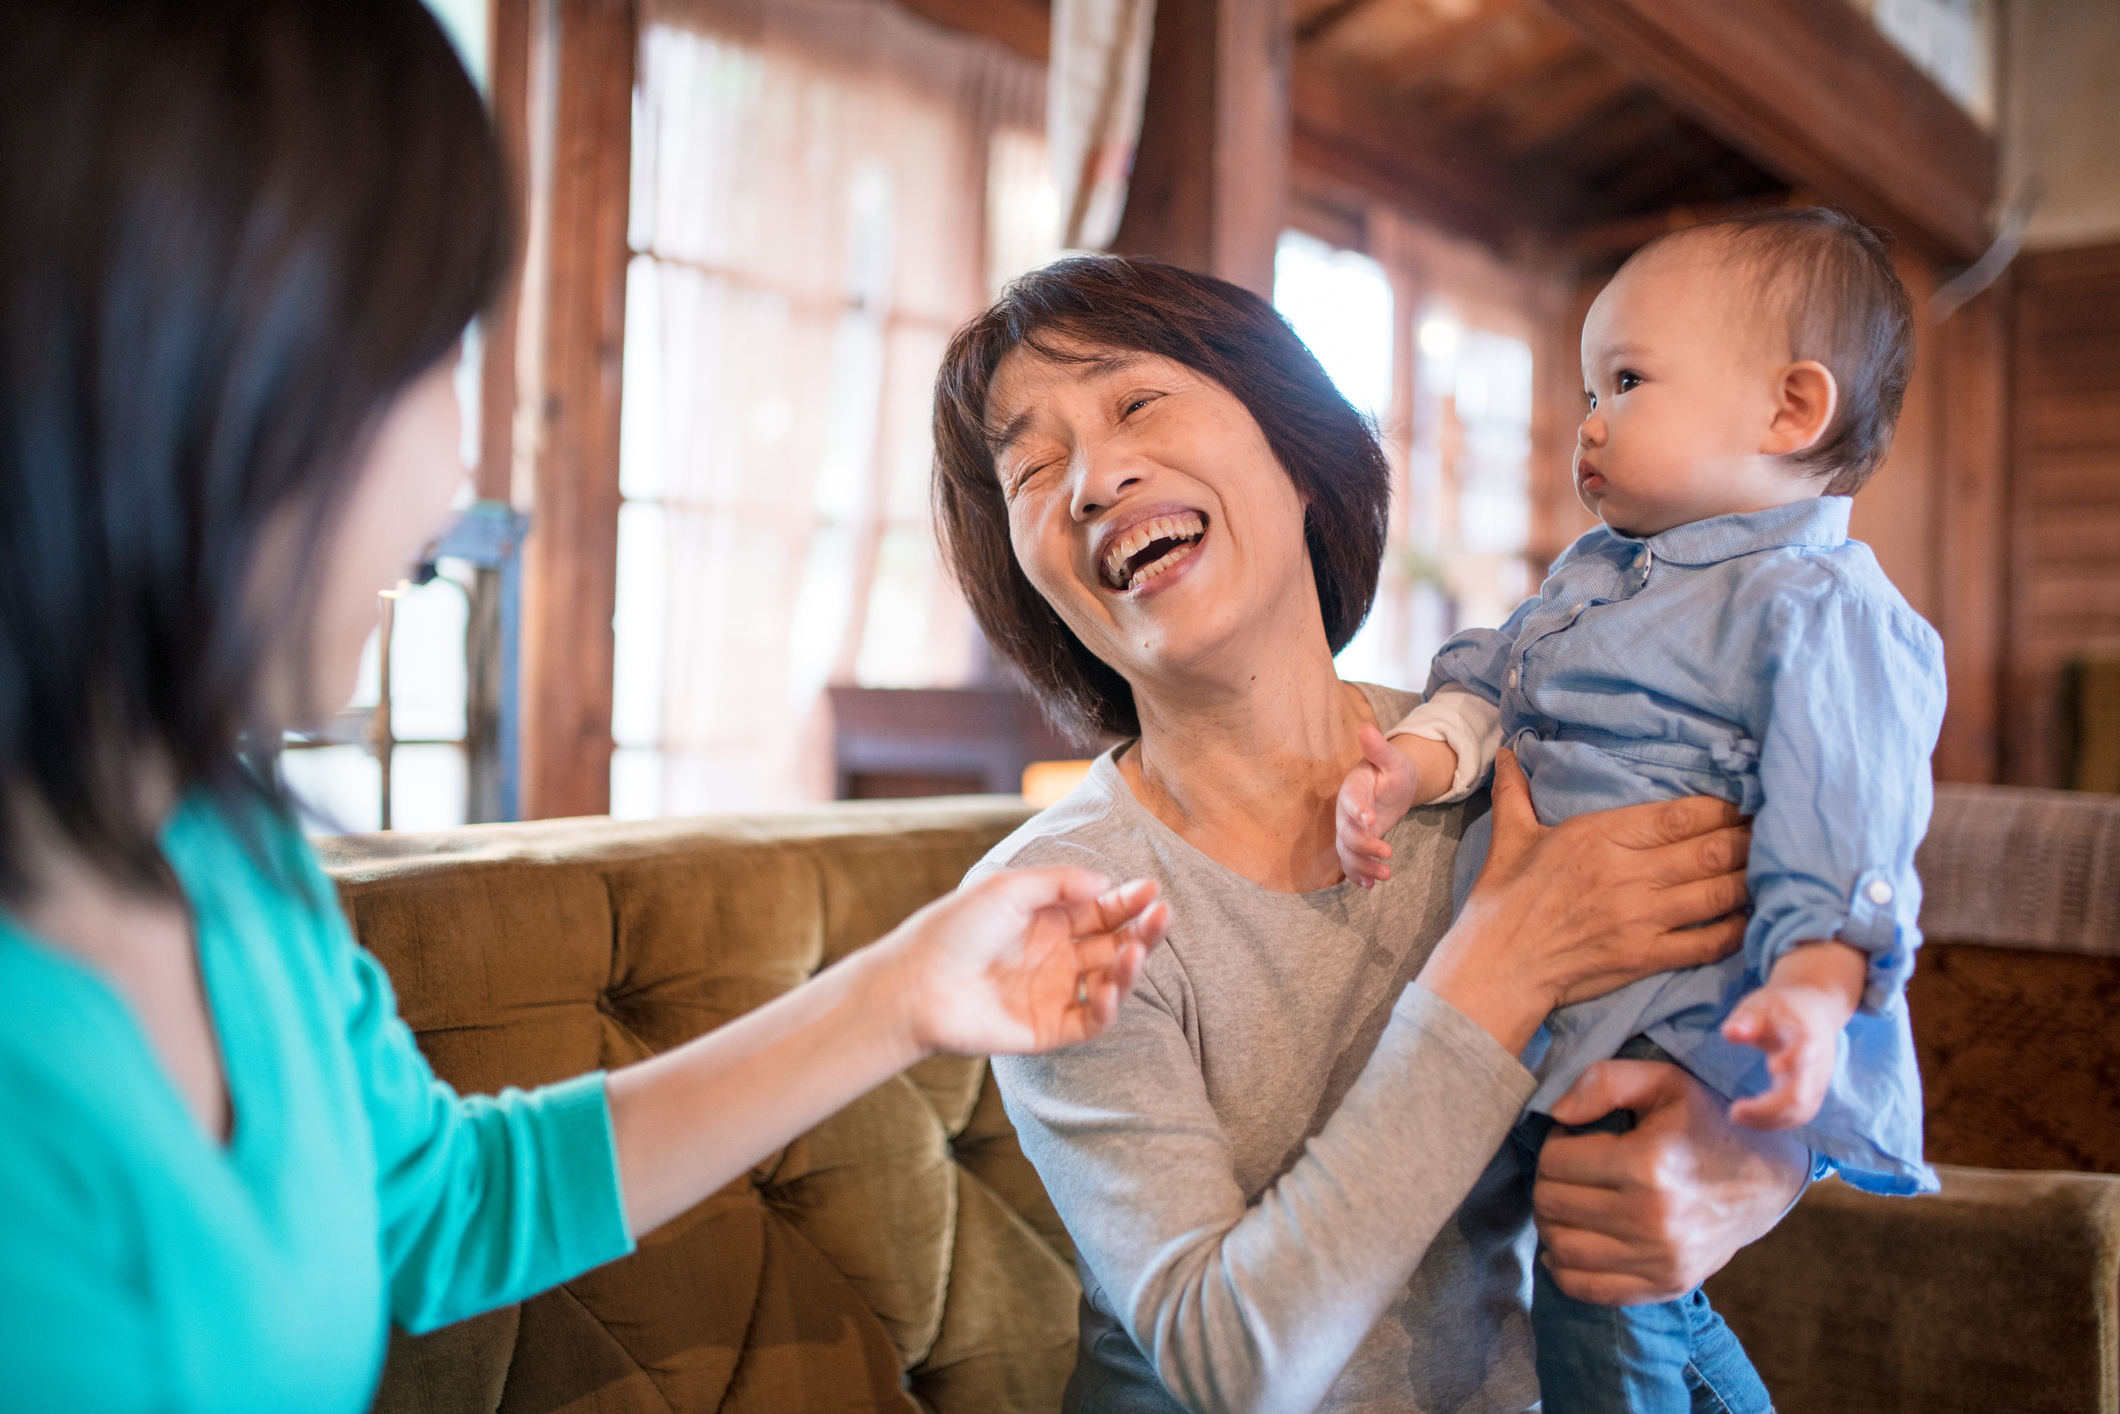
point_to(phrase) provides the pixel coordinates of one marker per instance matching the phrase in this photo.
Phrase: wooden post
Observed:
(1210, 182)
(509, 24)
(570, 583)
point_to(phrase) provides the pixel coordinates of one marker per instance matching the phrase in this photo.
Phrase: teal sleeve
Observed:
(484, 1199)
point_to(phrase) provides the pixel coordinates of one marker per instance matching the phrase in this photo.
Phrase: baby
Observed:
(1719, 634)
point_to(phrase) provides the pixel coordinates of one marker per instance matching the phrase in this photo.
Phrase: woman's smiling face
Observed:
(1146, 506)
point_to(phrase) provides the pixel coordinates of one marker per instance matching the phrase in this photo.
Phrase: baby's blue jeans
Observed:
(1674, 1357)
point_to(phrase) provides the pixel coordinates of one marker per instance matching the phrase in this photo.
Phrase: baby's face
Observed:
(1682, 370)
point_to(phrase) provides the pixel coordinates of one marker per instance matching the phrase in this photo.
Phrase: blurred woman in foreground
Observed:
(239, 243)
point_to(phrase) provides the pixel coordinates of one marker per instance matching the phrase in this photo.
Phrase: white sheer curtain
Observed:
(811, 218)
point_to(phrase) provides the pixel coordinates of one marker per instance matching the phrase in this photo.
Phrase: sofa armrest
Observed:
(1997, 1293)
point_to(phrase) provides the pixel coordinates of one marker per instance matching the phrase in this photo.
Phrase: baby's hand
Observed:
(1797, 1018)
(1376, 794)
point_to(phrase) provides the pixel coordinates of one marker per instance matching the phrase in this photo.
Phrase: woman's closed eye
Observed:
(1132, 403)
(1014, 479)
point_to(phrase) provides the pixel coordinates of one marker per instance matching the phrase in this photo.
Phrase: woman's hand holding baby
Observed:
(1797, 1018)
(1392, 777)
(1650, 1214)
(1564, 913)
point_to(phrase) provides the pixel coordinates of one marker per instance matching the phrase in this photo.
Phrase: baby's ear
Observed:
(1804, 403)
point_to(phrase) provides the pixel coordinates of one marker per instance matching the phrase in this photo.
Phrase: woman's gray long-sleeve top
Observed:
(1283, 1166)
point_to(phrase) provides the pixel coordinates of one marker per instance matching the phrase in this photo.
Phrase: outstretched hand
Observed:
(1797, 1018)
(1027, 960)
(1375, 796)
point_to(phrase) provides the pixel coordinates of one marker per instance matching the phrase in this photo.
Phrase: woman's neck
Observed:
(1246, 768)
(143, 945)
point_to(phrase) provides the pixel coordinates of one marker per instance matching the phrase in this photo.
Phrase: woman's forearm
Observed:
(1461, 975)
(689, 1120)
(1025, 961)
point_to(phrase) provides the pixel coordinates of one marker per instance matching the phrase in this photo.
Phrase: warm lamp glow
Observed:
(1046, 781)
(1439, 338)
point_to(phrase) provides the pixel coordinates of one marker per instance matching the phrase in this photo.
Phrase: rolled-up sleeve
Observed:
(1854, 700)
(1469, 725)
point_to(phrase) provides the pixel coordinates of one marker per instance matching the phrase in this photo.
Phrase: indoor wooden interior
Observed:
(1560, 135)
(1565, 133)
(1556, 136)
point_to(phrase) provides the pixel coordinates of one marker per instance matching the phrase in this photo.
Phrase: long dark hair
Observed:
(1221, 330)
(230, 232)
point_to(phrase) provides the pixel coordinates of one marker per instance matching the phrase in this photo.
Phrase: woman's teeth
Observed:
(1182, 529)
(1155, 567)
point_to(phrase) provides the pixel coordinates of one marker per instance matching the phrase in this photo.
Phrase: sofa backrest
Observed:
(902, 1249)
(905, 1248)
(2016, 989)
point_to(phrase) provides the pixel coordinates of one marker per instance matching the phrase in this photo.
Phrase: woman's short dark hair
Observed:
(231, 231)
(1227, 333)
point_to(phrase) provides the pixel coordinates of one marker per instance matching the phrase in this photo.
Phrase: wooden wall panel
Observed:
(2065, 523)
(1895, 514)
(1972, 510)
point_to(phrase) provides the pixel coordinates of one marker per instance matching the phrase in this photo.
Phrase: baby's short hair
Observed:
(1846, 309)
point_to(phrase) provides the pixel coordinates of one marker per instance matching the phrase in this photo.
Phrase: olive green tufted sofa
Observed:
(902, 1255)
(899, 1256)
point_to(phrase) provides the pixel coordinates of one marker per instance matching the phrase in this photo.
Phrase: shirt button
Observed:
(1880, 892)
(1580, 606)
(1512, 677)
(1641, 561)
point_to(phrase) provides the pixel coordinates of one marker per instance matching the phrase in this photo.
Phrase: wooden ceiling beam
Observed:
(1325, 17)
(1813, 92)
(1360, 138)
(1025, 26)
(1407, 69)
(1566, 103)
(1617, 239)
(1533, 67)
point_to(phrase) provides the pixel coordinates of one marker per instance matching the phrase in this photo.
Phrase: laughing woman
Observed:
(239, 241)
(1283, 1166)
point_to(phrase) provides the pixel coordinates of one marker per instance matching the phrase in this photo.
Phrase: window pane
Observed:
(1339, 302)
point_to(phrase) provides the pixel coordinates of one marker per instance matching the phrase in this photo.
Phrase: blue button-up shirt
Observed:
(1766, 659)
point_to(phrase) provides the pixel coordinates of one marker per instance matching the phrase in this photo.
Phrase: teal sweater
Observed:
(143, 1266)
